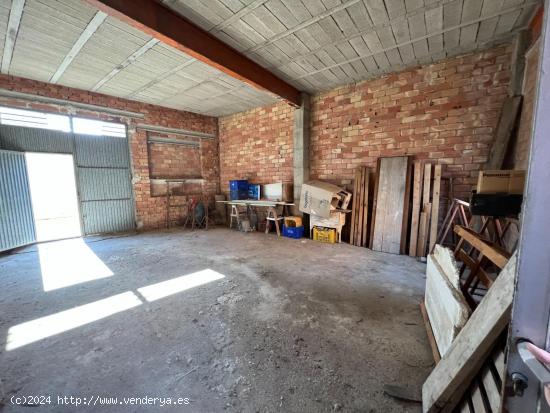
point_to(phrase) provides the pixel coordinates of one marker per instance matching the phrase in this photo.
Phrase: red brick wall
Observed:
(150, 211)
(257, 145)
(445, 112)
(174, 161)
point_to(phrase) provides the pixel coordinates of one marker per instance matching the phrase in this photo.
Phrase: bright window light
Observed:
(33, 119)
(98, 127)
(175, 285)
(69, 262)
(44, 327)
(53, 192)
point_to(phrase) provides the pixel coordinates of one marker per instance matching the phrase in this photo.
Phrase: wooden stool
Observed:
(236, 213)
(272, 216)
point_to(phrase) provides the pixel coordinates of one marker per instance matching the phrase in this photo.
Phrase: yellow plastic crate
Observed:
(322, 234)
(292, 221)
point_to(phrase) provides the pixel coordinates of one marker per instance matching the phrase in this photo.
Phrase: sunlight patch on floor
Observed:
(43, 327)
(69, 262)
(175, 285)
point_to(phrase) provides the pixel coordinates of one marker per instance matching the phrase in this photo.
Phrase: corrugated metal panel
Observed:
(104, 182)
(18, 138)
(108, 216)
(16, 217)
(102, 151)
(98, 184)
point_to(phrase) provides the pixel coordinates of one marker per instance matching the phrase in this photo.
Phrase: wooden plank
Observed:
(491, 389)
(365, 208)
(359, 208)
(435, 206)
(354, 207)
(496, 255)
(447, 309)
(427, 183)
(374, 203)
(421, 232)
(505, 127)
(478, 400)
(429, 332)
(406, 204)
(417, 187)
(390, 209)
(424, 228)
(445, 385)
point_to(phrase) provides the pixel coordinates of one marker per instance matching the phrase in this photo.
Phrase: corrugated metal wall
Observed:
(102, 172)
(16, 218)
(104, 180)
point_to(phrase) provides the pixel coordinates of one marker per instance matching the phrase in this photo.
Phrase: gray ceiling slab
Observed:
(312, 44)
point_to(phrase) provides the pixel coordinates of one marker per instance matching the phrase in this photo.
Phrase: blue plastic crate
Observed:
(253, 191)
(238, 194)
(238, 185)
(293, 232)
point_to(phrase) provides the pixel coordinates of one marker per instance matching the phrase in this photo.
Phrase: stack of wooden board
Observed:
(391, 205)
(444, 388)
(359, 214)
(425, 209)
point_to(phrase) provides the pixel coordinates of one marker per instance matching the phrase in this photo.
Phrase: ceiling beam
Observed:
(167, 26)
(90, 29)
(131, 59)
(14, 21)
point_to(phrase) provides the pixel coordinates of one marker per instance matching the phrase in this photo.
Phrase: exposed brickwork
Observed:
(150, 211)
(444, 112)
(174, 161)
(523, 143)
(257, 145)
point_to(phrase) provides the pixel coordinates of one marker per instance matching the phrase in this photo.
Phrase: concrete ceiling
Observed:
(319, 44)
(68, 42)
(313, 44)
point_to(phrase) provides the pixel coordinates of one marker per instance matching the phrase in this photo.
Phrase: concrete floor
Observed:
(293, 325)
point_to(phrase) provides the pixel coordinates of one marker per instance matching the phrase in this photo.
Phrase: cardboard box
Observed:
(278, 192)
(501, 181)
(335, 220)
(319, 198)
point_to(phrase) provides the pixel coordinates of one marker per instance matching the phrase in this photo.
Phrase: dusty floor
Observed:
(293, 326)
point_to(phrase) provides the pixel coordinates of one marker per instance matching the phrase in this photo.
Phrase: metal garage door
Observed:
(16, 218)
(102, 172)
(104, 182)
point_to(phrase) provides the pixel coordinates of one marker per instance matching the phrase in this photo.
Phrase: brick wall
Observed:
(150, 211)
(445, 112)
(257, 145)
(172, 161)
(523, 142)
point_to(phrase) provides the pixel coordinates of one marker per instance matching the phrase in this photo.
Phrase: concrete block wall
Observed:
(150, 210)
(445, 112)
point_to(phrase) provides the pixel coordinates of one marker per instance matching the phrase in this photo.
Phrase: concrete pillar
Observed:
(301, 148)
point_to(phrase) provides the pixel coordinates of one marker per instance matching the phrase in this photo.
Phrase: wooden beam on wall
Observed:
(170, 28)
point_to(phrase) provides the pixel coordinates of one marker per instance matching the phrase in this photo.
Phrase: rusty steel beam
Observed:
(169, 27)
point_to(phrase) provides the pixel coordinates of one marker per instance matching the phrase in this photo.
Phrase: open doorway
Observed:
(54, 197)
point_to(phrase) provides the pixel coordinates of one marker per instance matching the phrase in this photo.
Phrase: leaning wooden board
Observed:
(446, 384)
(392, 203)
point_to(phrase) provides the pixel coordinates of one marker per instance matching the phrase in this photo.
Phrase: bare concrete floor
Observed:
(278, 325)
